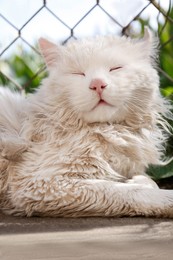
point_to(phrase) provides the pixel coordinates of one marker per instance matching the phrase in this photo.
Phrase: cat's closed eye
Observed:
(79, 73)
(115, 68)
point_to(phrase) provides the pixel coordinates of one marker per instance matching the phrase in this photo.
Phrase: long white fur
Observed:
(61, 154)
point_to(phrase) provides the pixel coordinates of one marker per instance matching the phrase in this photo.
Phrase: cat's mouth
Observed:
(101, 102)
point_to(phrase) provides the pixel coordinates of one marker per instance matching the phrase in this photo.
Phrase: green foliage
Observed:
(166, 58)
(158, 172)
(166, 81)
(23, 69)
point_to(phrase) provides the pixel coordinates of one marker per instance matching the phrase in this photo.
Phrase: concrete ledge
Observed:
(85, 238)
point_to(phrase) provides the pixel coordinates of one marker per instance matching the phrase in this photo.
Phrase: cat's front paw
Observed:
(143, 180)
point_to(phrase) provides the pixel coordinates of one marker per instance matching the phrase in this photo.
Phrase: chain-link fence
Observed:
(119, 18)
(22, 22)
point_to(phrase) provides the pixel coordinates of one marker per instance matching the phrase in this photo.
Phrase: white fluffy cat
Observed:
(80, 145)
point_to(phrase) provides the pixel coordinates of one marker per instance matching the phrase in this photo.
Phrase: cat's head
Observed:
(106, 78)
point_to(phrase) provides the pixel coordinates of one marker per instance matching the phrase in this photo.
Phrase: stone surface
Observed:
(85, 238)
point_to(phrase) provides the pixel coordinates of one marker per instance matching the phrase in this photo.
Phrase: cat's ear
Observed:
(150, 44)
(49, 52)
(147, 35)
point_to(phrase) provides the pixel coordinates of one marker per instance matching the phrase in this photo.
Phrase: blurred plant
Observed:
(165, 32)
(22, 71)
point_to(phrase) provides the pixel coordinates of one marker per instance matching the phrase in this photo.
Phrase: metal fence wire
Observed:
(8, 78)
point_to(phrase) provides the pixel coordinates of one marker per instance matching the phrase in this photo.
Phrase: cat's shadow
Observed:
(21, 225)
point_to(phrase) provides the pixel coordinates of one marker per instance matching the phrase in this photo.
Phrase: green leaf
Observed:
(160, 172)
(167, 91)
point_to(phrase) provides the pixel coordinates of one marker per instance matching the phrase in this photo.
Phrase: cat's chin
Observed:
(101, 114)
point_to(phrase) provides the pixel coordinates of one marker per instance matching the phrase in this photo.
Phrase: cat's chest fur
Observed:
(100, 151)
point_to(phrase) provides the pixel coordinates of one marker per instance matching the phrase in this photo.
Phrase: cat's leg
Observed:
(13, 107)
(76, 198)
(11, 147)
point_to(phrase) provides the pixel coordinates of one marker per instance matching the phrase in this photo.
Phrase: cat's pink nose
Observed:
(98, 85)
